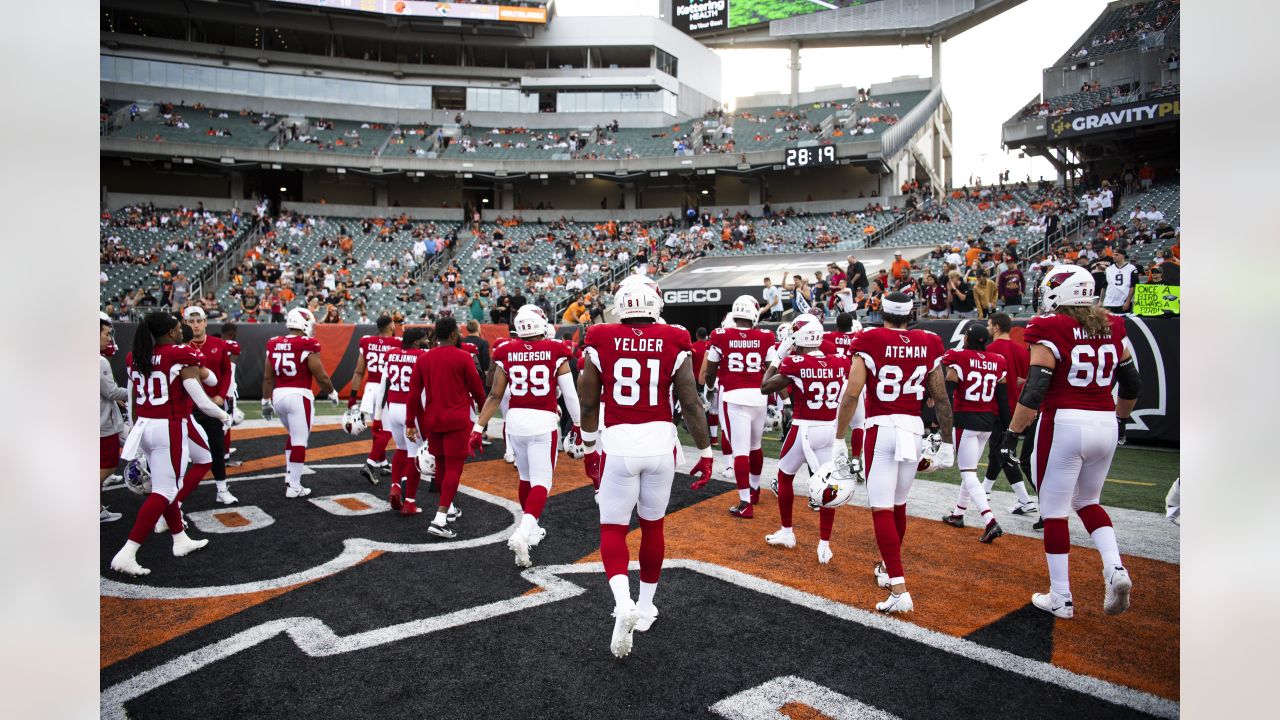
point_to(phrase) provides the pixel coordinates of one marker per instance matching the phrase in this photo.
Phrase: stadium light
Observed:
(284, 189)
(706, 192)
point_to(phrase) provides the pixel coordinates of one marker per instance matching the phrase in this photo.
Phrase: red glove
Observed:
(591, 463)
(476, 444)
(701, 473)
(576, 434)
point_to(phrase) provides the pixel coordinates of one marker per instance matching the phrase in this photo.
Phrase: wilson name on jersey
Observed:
(977, 374)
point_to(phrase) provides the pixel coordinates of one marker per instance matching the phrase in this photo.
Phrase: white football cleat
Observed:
(162, 525)
(519, 545)
(536, 536)
(226, 498)
(1054, 604)
(824, 553)
(184, 545)
(647, 616)
(1118, 587)
(624, 624)
(896, 603)
(127, 563)
(785, 537)
(727, 473)
(882, 577)
(297, 492)
(509, 456)
(106, 516)
(453, 514)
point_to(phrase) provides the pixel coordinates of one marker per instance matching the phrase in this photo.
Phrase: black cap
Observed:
(977, 334)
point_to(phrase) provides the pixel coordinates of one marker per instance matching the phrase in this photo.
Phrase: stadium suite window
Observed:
(667, 62)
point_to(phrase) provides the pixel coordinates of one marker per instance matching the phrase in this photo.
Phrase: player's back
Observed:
(287, 355)
(1017, 362)
(842, 342)
(897, 363)
(374, 349)
(977, 375)
(531, 367)
(817, 380)
(398, 365)
(1086, 364)
(741, 354)
(159, 394)
(637, 365)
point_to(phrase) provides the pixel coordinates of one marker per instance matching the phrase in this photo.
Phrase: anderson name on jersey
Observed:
(530, 367)
(637, 365)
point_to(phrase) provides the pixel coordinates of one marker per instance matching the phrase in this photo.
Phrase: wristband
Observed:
(706, 452)
(477, 428)
(588, 437)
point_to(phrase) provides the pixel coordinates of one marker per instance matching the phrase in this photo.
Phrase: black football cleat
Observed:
(1039, 524)
(369, 473)
(743, 510)
(953, 520)
(992, 532)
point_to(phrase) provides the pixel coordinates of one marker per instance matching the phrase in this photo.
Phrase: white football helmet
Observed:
(237, 416)
(550, 332)
(831, 486)
(727, 322)
(638, 279)
(353, 421)
(773, 418)
(808, 335)
(928, 449)
(572, 445)
(532, 309)
(745, 307)
(637, 301)
(800, 320)
(783, 332)
(137, 476)
(426, 462)
(856, 327)
(300, 319)
(1067, 285)
(529, 326)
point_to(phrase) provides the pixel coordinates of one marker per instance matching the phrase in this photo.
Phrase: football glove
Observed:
(268, 412)
(945, 457)
(701, 473)
(1009, 449)
(591, 463)
(784, 349)
(475, 445)
(1120, 423)
(333, 398)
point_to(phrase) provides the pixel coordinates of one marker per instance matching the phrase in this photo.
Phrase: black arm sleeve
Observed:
(951, 389)
(1002, 404)
(1037, 386)
(1129, 380)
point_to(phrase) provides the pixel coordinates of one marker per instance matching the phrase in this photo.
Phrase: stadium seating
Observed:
(1123, 28)
(343, 136)
(244, 129)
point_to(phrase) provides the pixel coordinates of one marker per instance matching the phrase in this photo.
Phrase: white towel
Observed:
(132, 449)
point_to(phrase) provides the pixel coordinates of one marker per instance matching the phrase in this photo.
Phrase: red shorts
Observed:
(109, 452)
(453, 444)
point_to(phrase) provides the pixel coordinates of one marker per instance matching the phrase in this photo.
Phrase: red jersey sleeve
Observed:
(1043, 330)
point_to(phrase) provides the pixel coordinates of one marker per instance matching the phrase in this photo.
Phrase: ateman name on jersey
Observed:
(645, 345)
(906, 351)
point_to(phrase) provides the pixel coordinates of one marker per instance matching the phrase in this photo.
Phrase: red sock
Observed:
(524, 492)
(195, 473)
(888, 541)
(536, 501)
(652, 549)
(1057, 538)
(409, 471)
(900, 521)
(786, 497)
(613, 550)
(741, 471)
(855, 442)
(173, 517)
(826, 519)
(150, 511)
(725, 448)
(381, 438)
(450, 481)
(757, 461)
(1093, 517)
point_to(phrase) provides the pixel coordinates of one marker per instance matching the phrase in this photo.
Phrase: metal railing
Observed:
(897, 137)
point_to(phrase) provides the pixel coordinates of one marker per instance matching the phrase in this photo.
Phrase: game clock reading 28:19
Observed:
(806, 156)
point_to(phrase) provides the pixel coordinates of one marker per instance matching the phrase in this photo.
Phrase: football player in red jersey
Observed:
(392, 410)
(164, 383)
(291, 362)
(444, 390)
(371, 363)
(898, 367)
(1078, 353)
(228, 334)
(1017, 360)
(736, 361)
(815, 380)
(633, 367)
(847, 329)
(977, 385)
(215, 354)
(529, 371)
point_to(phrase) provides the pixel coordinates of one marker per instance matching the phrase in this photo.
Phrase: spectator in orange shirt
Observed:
(901, 268)
(971, 256)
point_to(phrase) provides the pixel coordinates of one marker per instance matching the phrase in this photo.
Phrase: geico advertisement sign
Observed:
(685, 297)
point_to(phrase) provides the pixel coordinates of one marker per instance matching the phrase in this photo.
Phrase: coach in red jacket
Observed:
(443, 390)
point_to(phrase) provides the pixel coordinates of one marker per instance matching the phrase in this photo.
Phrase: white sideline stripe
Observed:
(353, 551)
(1141, 533)
(306, 470)
(763, 701)
(315, 639)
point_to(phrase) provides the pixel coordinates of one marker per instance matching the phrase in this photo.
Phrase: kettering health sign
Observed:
(1115, 117)
(698, 16)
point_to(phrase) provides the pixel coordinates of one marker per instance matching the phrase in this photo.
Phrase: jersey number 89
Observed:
(534, 380)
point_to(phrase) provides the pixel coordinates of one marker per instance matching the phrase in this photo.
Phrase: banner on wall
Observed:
(1157, 300)
(1154, 342)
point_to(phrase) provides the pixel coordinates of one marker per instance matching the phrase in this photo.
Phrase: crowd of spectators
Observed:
(1135, 23)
